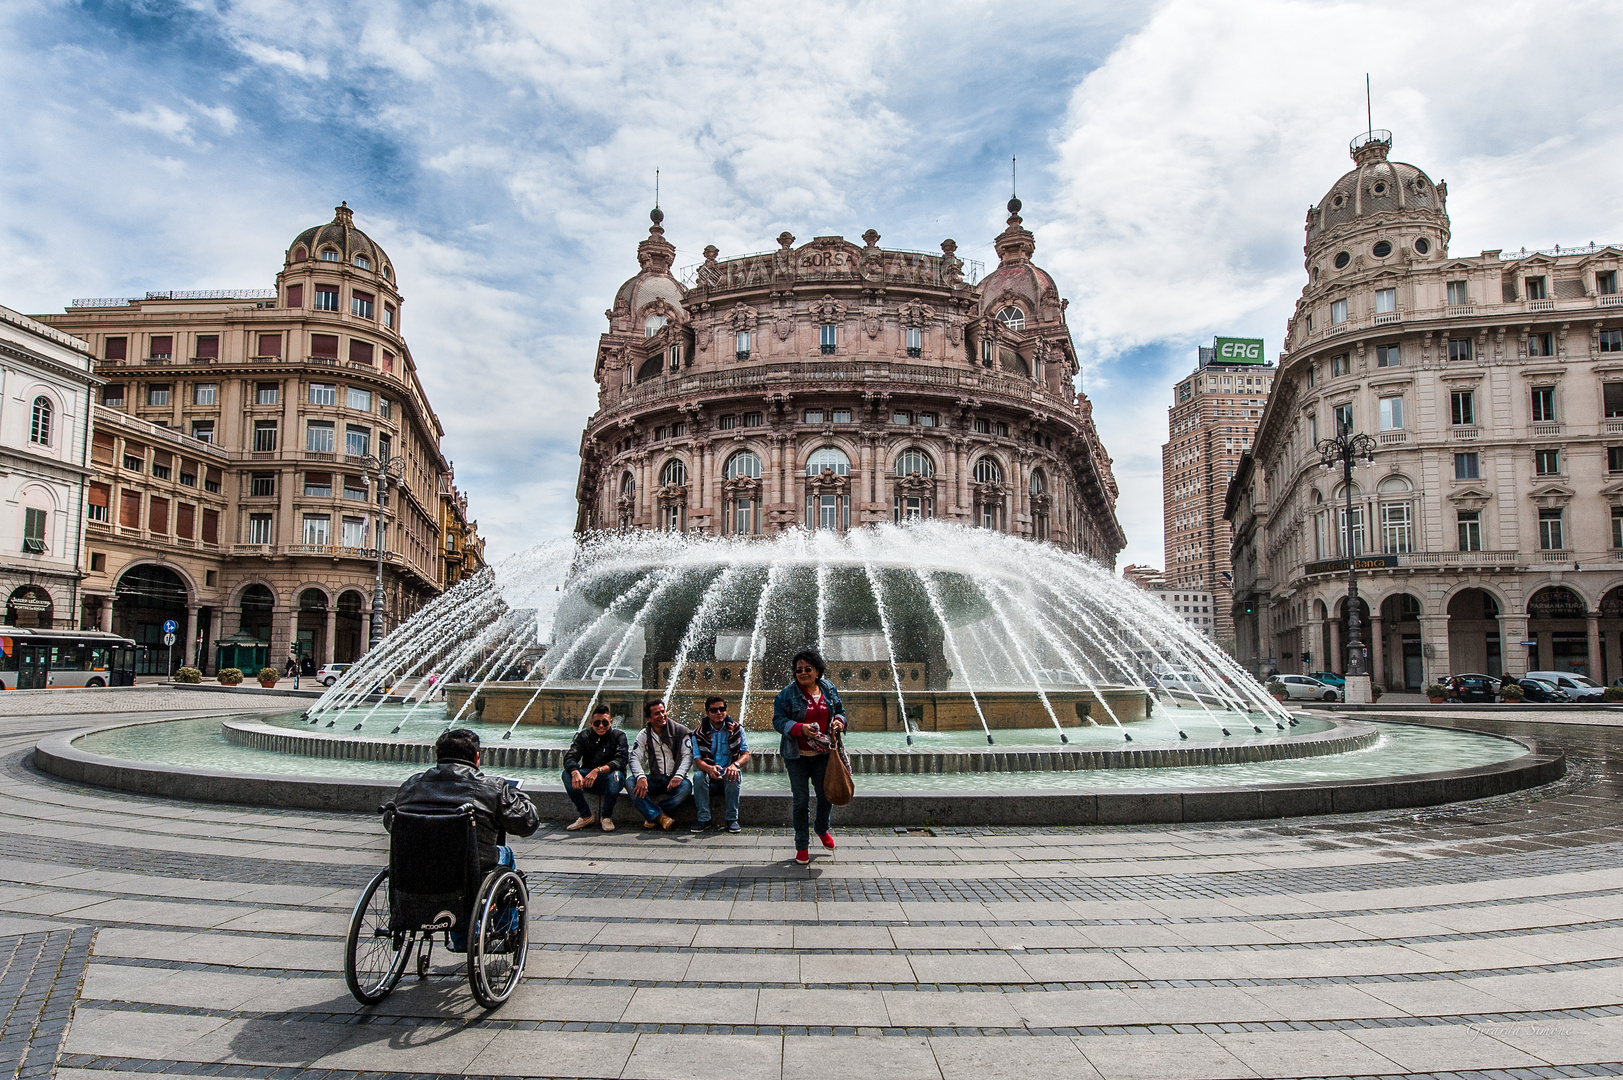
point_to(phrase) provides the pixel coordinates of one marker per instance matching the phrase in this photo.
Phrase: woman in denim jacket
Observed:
(806, 713)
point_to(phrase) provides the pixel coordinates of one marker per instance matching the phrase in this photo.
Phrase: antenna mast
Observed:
(656, 189)
(1014, 188)
(1369, 111)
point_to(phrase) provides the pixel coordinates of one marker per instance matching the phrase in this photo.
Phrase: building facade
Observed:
(1490, 523)
(1211, 422)
(47, 384)
(836, 384)
(231, 490)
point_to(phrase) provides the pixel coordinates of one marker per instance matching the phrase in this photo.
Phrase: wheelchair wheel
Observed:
(374, 956)
(500, 937)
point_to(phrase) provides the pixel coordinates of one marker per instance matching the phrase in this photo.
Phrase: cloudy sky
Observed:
(504, 153)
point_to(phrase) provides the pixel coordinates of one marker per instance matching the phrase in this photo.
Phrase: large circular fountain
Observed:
(987, 679)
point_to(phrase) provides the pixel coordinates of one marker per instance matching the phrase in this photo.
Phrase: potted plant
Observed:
(1612, 693)
(267, 677)
(1437, 692)
(229, 676)
(188, 675)
(1511, 693)
(1277, 689)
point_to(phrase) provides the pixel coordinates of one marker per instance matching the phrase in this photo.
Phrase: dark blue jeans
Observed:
(662, 801)
(608, 785)
(806, 773)
(459, 938)
(705, 788)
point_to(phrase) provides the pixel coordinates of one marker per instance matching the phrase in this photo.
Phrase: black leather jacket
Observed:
(589, 750)
(500, 809)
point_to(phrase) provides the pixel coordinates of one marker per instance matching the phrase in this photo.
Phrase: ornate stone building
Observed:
(1491, 518)
(229, 492)
(837, 384)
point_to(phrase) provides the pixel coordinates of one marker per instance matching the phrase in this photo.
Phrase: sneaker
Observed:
(701, 827)
(580, 823)
(667, 822)
(803, 857)
(827, 839)
(608, 824)
(654, 824)
(732, 827)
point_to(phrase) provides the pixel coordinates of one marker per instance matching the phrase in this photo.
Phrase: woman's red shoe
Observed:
(802, 856)
(828, 840)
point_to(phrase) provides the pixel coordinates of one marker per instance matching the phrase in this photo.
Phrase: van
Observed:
(1578, 687)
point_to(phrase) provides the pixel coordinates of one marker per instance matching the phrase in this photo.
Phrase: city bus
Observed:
(38, 659)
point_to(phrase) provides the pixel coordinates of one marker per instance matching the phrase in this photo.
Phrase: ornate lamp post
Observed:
(387, 471)
(1345, 449)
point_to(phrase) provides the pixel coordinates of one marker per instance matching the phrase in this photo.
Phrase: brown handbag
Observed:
(838, 787)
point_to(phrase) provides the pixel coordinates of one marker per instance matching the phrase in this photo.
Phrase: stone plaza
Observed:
(144, 935)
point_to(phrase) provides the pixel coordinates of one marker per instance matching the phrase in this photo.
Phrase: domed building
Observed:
(236, 440)
(1489, 526)
(832, 384)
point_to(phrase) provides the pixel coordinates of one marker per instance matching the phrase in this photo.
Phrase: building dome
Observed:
(654, 282)
(1376, 190)
(1017, 278)
(340, 237)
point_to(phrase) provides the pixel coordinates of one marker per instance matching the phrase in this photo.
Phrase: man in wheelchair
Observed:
(450, 870)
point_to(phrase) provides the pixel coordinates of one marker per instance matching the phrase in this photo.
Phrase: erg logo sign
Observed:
(1239, 350)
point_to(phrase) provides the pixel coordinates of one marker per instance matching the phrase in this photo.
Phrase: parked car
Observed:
(1330, 678)
(1472, 687)
(1578, 687)
(332, 673)
(1542, 690)
(1301, 687)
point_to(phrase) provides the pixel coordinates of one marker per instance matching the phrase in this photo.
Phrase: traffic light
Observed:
(1307, 658)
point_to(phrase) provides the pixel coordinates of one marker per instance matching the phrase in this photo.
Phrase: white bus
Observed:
(39, 659)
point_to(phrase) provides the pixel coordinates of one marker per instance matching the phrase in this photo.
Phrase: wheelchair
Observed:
(433, 885)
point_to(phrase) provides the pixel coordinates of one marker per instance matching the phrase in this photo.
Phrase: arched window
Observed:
(913, 460)
(1012, 317)
(987, 471)
(330, 255)
(1397, 516)
(362, 261)
(674, 474)
(1039, 482)
(745, 463)
(628, 486)
(654, 325)
(299, 254)
(39, 431)
(826, 459)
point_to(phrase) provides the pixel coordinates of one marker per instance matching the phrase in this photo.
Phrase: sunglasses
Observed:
(805, 671)
(717, 708)
(602, 721)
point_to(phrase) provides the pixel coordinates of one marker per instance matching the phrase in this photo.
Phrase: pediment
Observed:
(1471, 497)
(1551, 496)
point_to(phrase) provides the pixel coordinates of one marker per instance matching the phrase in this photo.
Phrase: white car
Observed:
(332, 673)
(1578, 687)
(1302, 688)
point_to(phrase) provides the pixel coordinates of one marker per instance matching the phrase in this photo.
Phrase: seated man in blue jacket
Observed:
(596, 762)
(661, 759)
(720, 752)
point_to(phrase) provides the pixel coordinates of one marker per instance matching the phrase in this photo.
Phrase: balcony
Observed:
(1393, 438)
(1555, 556)
(1465, 433)
(1614, 426)
(1547, 429)
(1539, 305)
(1387, 317)
(1609, 300)
(1456, 311)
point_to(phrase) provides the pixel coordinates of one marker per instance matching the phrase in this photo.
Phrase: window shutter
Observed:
(184, 513)
(101, 448)
(295, 299)
(324, 345)
(117, 348)
(163, 346)
(100, 494)
(129, 509)
(270, 344)
(208, 346)
(360, 352)
(158, 515)
(211, 526)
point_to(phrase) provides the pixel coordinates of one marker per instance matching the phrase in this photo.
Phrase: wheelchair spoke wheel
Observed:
(500, 937)
(374, 956)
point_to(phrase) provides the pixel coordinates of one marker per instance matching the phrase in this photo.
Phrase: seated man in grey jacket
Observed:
(660, 762)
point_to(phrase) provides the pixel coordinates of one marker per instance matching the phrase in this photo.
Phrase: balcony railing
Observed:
(1465, 433)
(1609, 300)
(1555, 556)
(1547, 429)
(1392, 438)
(1539, 305)
(1458, 310)
(1386, 317)
(1614, 426)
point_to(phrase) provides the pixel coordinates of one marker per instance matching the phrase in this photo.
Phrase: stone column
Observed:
(105, 619)
(1546, 649)
(280, 662)
(1512, 631)
(332, 634)
(1334, 662)
(189, 652)
(1592, 624)
(1377, 651)
(1434, 632)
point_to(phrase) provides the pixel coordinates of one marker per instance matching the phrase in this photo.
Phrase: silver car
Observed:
(1302, 688)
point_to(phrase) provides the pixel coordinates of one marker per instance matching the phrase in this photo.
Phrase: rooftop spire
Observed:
(343, 215)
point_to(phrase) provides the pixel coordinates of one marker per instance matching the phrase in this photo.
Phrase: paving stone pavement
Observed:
(1478, 940)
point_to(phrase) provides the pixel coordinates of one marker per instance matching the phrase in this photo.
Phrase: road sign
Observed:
(169, 639)
(170, 626)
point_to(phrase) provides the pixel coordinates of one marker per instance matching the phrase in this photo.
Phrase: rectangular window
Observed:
(326, 298)
(205, 393)
(113, 395)
(101, 497)
(679, 430)
(360, 305)
(385, 447)
(34, 530)
(317, 529)
(1540, 344)
(129, 509)
(1551, 537)
(840, 416)
(319, 436)
(388, 360)
(1614, 459)
(1467, 466)
(323, 394)
(1344, 419)
(900, 417)
(355, 489)
(188, 474)
(1340, 365)
(1310, 377)
(1386, 301)
(927, 419)
(814, 416)
(1313, 429)
(211, 482)
(1003, 430)
(116, 348)
(262, 485)
(208, 346)
(264, 436)
(295, 299)
(753, 419)
(211, 527)
(203, 430)
(356, 398)
(728, 422)
(1388, 356)
(1397, 529)
(270, 345)
(673, 358)
(268, 393)
(1612, 394)
(354, 535)
(1543, 404)
(1547, 462)
(318, 485)
(1536, 289)
(324, 346)
(158, 394)
(357, 441)
(388, 316)
(162, 347)
(825, 338)
(1391, 413)
(1606, 282)
(1357, 530)
(1611, 341)
(983, 427)
(160, 469)
(1458, 296)
(185, 520)
(661, 432)
(915, 341)
(1338, 312)
(1459, 348)
(1462, 408)
(361, 352)
(259, 528)
(385, 408)
(1469, 524)
(741, 345)
(158, 515)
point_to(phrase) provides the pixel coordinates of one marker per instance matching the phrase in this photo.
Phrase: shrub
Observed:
(1511, 692)
(188, 675)
(1376, 690)
(1613, 693)
(229, 676)
(1277, 688)
(1437, 690)
(267, 676)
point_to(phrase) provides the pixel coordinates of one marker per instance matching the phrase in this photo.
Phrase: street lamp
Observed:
(387, 471)
(1346, 448)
